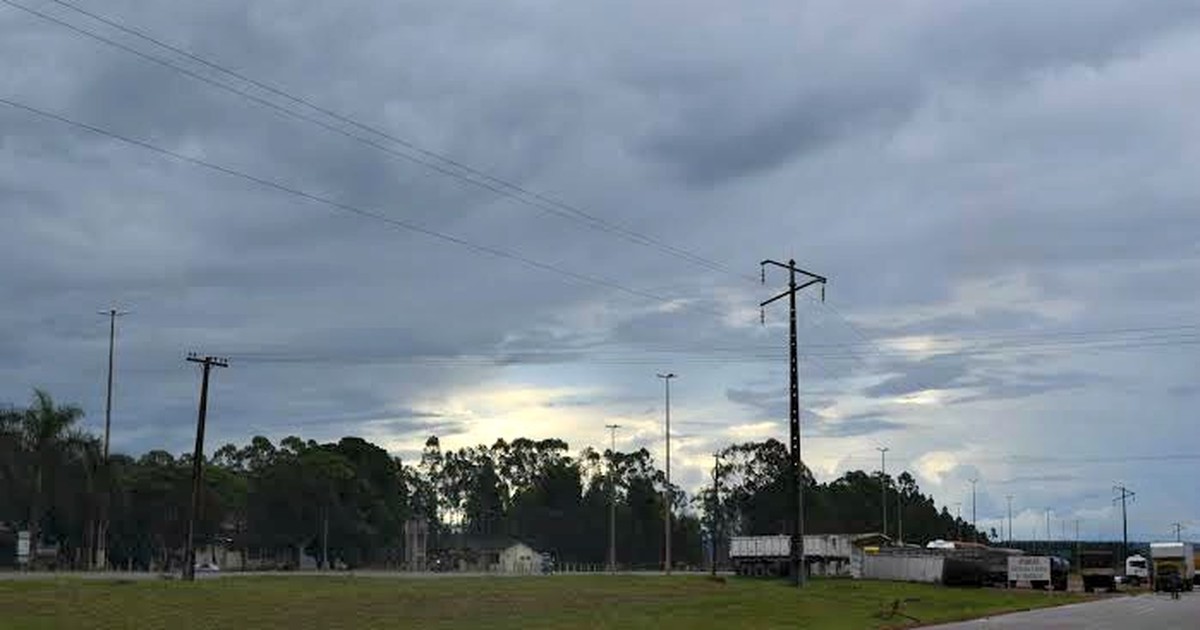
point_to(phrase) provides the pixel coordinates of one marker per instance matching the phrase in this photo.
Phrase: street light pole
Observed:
(667, 490)
(1049, 534)
(1010, 532)
(716, 519)
(612, 498)
(883, 484)
(974, 523)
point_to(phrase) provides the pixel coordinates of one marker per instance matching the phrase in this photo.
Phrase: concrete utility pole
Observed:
(974, 525)
(1179, 527)
(667, 491)
(900, 516)
(189, 560)
(612, 498)
(883, 484)
(1010, 532)
(716, 518)
(958, 520)
(1123, 494)
(797, 494)
(1079, 564)
(100, 544)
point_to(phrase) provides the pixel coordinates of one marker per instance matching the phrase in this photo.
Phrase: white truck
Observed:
(1137, 570)
(761, 555)
(1171, 562)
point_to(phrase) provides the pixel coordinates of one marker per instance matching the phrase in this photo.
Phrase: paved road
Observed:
(1150, 612)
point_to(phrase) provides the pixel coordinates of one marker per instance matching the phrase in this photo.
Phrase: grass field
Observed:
(299, 603)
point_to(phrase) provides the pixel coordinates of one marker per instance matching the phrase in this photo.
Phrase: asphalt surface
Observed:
(1123, 613)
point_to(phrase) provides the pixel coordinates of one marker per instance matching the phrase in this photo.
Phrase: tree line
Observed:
(349, 500)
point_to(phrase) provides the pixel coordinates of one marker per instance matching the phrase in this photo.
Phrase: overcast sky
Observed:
(1003, 196)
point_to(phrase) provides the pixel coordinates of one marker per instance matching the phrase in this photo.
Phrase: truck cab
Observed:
(1137, 570)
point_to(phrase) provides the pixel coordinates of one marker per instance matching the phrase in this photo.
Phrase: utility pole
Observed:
(1049, 534)
(189, 560)
(1078, 561)
(883, 484)
(100, 544)
(1178, 529)
(1010, 532)
(900, 515)
(667, 490)
(716, 512)
(797, 494)
(1123, 494)
(958, 520)
(974, 519)
(112, 314)
(612, 498)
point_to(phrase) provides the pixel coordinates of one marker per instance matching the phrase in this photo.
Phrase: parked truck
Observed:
(1098, 569)
(1137, 570)
(761, 555)
(1170, 561)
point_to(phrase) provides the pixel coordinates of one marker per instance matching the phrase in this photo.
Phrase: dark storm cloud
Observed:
(815, 100)
(934, 373)
(1013, 386)
(773, 404)
(1184, 391)
(856, 425)
(958, 168)
(1038, 479)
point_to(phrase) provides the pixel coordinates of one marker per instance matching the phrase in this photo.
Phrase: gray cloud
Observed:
(958, 169)
(935, 373)
(856, 425)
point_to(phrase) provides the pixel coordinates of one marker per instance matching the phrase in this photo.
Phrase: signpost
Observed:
(1029, 569)
(23, 548)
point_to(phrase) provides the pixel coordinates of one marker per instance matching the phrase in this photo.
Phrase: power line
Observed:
(485, 180)
(646, 356)
(464, 173)
(1051, 460)
(399, 223)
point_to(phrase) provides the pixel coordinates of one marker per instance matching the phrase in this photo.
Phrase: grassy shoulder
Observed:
(298, 603)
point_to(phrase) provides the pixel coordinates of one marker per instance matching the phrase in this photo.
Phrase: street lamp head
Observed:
(667, 375)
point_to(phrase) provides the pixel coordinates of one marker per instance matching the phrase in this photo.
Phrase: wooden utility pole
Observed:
(189, 555)
(99, 556)
(797, 493)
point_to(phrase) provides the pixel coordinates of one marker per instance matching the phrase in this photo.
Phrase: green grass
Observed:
(299, 603)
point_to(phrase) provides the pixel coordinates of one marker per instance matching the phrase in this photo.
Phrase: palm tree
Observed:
(46, 430)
